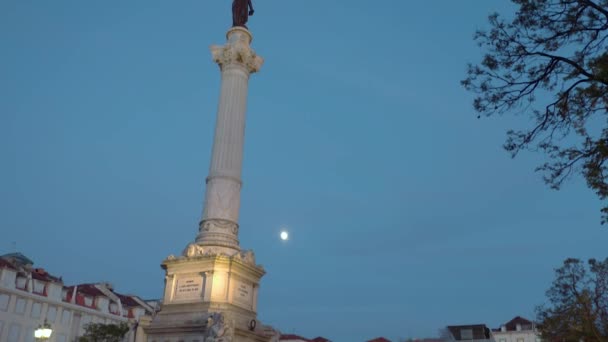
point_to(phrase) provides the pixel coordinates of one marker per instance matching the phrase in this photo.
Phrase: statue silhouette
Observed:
(241, 10)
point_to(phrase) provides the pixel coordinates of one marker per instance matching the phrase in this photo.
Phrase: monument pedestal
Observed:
(209, 296)
(211, 290)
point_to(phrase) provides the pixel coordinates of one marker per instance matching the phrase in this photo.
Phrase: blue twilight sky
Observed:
(405, 213)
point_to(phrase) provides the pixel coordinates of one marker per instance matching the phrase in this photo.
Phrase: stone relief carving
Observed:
(218, 329)
(194, 250)
(247, 257)
(237, 52)
(222, 227)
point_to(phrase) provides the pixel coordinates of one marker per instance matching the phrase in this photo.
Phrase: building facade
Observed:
(518, 329)
(30, 296)
(471, 332)
(297, 338)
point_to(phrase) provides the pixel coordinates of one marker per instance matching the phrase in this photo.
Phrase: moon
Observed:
(284, 235)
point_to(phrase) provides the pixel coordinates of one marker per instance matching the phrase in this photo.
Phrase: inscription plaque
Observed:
(188, 288)
(243, 293)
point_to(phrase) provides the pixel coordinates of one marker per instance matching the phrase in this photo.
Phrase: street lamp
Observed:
(43, 332)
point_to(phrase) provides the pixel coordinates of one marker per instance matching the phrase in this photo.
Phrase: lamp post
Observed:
(44, 331)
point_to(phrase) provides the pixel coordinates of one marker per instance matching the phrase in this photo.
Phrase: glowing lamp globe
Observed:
(284, 235)
(43, 332)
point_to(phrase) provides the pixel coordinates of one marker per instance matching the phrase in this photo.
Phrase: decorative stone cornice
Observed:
(246, 257)
(193, 251)
(237, 51)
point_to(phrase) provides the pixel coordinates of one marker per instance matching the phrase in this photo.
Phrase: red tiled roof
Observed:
(91, 290)
(524, 323)
(6, 264)
(18, 258)
(41, 274)
(480, 331)
(292, 337)
(320, 339)
(86, 289)
(82, 291)
(126, 300)
(379, 339)
(6, 261)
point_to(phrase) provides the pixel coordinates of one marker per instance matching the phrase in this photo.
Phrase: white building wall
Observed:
(516, 336)
(22, 312)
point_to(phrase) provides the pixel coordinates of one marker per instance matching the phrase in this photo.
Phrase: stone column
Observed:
(219, 224)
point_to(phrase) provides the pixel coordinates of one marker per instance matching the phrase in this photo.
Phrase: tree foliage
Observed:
(578, 303)
(97, 332)
(550, 62)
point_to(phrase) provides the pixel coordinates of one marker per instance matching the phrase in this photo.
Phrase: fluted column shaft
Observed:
(219, 223)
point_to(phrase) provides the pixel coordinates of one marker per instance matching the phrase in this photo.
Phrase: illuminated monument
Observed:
(211, 290)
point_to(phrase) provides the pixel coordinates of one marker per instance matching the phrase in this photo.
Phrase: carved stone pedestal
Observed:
(209, 297)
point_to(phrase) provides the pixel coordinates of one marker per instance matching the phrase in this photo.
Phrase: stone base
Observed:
(202, 327)
(209, 297)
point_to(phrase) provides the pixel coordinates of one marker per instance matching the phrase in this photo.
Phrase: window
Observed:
(520, 339)
(36, 308)
(61, 338)
(51, 314)
(29, 335)
(88, 301)
(1, 326)
(39, 286)
(53, 291)
(20, 282)
(20, 306)
(4, 301)
(466, 334)
(65, 318)
(14, 332)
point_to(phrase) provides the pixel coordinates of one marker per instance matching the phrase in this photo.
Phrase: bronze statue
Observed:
(241, 10)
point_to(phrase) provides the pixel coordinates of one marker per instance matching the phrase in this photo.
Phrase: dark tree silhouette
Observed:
(578, 303)
(97, 332)
(550, 62)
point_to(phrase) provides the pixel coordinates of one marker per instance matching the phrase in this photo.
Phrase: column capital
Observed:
(237, 51)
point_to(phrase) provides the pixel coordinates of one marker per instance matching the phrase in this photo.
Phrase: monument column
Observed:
(211, 289)
(219, 223)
